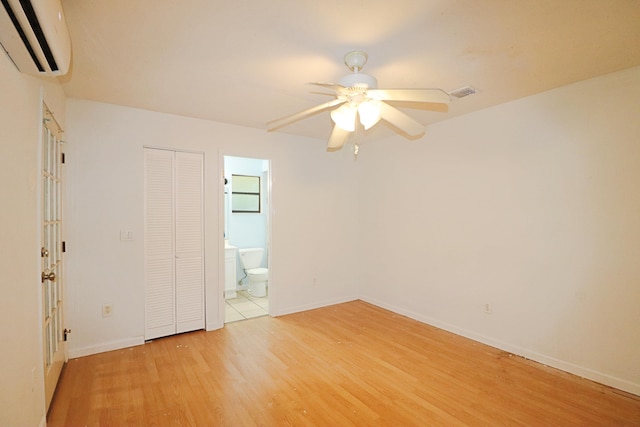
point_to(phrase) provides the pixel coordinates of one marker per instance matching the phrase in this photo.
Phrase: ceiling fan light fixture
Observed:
(345, 117)
(369, 112)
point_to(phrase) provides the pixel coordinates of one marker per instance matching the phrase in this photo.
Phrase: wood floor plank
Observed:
(346, 365)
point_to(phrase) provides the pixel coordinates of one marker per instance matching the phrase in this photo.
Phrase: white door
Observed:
(189, 241)
(159, 244)
(52, 275)
(174, 261)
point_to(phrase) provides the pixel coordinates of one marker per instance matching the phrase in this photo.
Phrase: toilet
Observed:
(251, 258)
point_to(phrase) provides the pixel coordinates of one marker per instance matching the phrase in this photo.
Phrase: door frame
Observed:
(272, 293)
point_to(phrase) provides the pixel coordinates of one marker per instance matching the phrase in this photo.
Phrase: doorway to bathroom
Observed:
(246, 238)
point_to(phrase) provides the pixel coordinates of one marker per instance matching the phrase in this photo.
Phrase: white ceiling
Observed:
(247, 62)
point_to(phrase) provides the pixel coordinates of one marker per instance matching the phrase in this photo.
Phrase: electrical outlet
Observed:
(107, 310)
(488, 309)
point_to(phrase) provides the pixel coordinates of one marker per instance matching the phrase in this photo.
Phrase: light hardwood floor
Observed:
(351, 364)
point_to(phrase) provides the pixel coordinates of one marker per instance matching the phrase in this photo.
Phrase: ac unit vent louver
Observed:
(463, 91)
(35, 36)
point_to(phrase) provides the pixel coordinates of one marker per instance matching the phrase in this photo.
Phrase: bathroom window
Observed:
(245, 194)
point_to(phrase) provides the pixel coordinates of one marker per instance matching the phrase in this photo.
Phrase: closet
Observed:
(173, 242)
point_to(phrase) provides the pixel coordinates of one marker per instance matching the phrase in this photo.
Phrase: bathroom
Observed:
(246, 226)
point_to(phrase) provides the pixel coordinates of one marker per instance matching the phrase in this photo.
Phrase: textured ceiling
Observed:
(247, 62)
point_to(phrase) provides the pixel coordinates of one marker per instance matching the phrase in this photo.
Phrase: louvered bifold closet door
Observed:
(159, 244)
(189, 241)
(174, 244)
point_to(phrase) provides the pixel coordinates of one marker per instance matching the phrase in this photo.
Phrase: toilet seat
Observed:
(258, 271)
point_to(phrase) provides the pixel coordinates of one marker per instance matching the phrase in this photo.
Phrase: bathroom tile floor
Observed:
(245, 306)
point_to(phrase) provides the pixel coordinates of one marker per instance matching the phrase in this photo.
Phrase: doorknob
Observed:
(48, 276)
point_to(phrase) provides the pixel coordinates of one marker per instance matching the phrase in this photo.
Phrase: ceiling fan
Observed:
(357, 96)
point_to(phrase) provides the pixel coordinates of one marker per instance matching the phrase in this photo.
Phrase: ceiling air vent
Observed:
(463, 91)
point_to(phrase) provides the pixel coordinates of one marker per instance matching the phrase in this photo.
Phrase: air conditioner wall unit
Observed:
(35, 36)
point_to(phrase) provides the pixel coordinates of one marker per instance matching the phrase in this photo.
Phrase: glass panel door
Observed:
(51, 255)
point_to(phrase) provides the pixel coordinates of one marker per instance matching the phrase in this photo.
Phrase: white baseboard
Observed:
(107, 346)
(569, 367)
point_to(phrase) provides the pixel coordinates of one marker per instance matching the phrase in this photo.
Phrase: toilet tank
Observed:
(251, 257)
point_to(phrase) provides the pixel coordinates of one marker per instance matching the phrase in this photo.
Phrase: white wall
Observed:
(532, 207)
(314, 206)
(21, 362)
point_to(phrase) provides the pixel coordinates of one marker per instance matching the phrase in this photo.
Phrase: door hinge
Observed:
(62, 158)
(66, 333)
(64, 246)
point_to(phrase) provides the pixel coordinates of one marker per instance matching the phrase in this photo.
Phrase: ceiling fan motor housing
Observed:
(351, 80)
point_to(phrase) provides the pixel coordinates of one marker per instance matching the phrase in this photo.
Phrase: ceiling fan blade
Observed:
(400, 120)
(425, 106)
(333, 86)
(412, 95)
(337, 139)
(278, 123)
